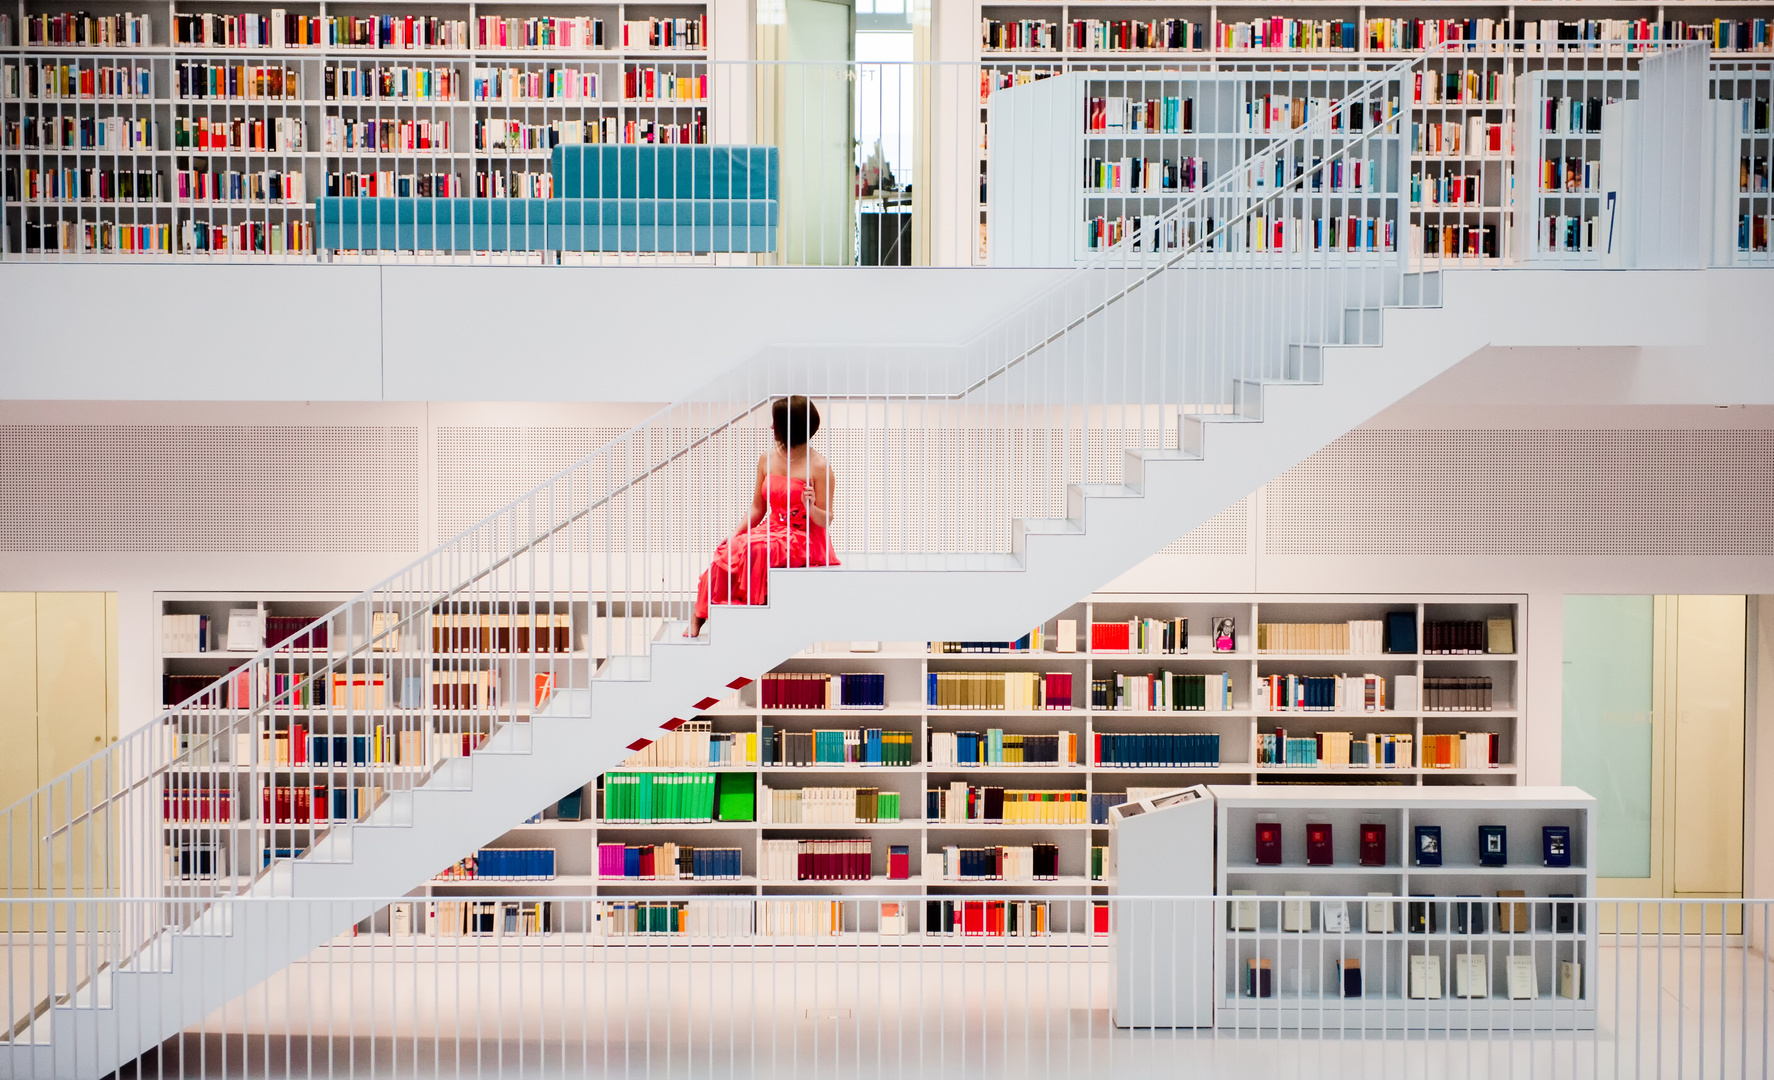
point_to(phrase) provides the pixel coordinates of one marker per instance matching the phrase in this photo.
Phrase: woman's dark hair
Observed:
(794, 419)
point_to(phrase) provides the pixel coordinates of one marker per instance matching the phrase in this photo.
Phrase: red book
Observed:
(1268, 843)
(1099, 919)
(973, 918)
(1373, 844)
(1318, 845)
(1108, 637)
(298, 744)
(899, 862)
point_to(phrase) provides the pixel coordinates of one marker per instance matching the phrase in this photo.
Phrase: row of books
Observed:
(1136, 35)
(96, 185)
(828, 806)
(105, 134)
(1142, 174)
(280, 29)
(547, 84)
(342, 135)
(1753, 231)
(1353, 232)
(996, 747)
(185, 237)
(695, 744)
(1467, 693)
(189, 799)
(1572, 176)
(1457, 240)
(1328, 693)
(820, 690)
(1157, 637)
(294, 745)
(848, 746)
(1025, 691)
(473, 632)
(503, 864)
(816, 860)
(1570, 116)
(1424, 980)
(1033, 641)
(645, 797)
(1479, 637)
(1567, 233)
(178, 633)
(998, 918)
(1465, 750)
(1030, 862)
(275, 134)
(285, 804)
(216, 80)
(1169, 750)
(127, 30)
(472, 918)
(1375, 750)
(1452, 189)
(960, 802)
(1168, 115)
(383, 183)
(1477, 137)
(663, 84)
(669, 862)
(1165, 691)
(57, 81)
(394, 82)
(1462, 87)
(515, 135)
(1752, 175)
(1359, 637)
(547, 32)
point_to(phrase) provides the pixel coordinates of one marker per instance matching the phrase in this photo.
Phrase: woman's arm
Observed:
(818, 495)
(759, 505)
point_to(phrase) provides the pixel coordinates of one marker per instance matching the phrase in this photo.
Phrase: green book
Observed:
(736, 797)
(887, 806)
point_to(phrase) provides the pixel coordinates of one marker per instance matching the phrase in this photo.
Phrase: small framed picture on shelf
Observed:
(1429, 845)
(1555, 843)
(1493, 845)
(1225, 633)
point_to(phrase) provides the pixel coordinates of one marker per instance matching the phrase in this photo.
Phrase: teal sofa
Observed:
(676, 199)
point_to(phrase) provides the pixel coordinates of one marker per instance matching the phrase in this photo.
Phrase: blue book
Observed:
(1401, 632)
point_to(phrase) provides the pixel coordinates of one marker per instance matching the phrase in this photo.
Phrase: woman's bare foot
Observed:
(695, 627)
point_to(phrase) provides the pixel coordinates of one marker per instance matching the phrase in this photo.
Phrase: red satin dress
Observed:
(740, 570)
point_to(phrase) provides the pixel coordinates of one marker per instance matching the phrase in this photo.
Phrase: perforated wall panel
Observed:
(1529, 492)
(100, 487)
(1226, 533)
(480, 469)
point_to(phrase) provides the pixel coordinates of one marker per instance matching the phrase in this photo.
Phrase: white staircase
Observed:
(1355, 342)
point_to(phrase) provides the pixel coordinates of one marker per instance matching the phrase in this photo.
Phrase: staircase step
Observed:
(1304, 364)
(1023, 528)
(926, 562)
(1361, 326)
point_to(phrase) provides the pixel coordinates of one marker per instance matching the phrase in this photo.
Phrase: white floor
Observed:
(836, 1012)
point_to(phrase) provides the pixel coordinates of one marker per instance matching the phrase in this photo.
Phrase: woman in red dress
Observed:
(790, 508)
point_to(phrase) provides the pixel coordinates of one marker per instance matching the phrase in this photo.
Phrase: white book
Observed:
(1242, 914)
(400, 920)
(1065, 636)
(1425, 982)
(1379, 914)
(1406, 693)
(1570, 979)
(1296, 915)
(1521, 979)
(246, 630)
(1334, 914)
(932, 866)
(1471, 977)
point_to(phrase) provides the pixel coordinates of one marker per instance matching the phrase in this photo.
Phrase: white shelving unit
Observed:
(1747, 94)
(1559, 164)
(1477, 86)
(1081, 175)
(907, 666)
(285, 136)
(1391, 916)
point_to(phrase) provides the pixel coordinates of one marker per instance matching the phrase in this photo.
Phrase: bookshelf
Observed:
(1746, 95)
(212, 134)
(1461, 124)
(1385, 920)
(419, 703)
(1100, 155)
(905, 670)
(1560, 164)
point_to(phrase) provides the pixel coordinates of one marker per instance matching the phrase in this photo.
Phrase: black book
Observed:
(1428, 851)
(1493, 845)
(1401, 632)
(1555, 845)
(1469, 916)
(1351, 977)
